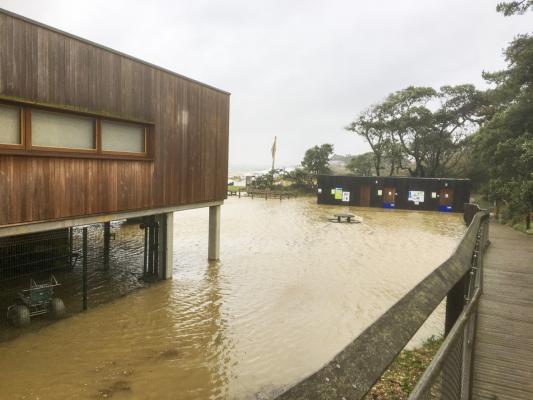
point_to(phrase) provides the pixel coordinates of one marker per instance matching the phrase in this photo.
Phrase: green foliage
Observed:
(298, 179)
(458, 130)
(268, 180)
(401, 377)
(235, 189)
(505, 142)
(394, 159)
(514, 7)
(362, 164)
(316, 159)
(420, 129)
(280, 179)
(371, 125)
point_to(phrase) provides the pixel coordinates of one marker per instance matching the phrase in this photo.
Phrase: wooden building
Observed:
(88, 134)
(430, 194)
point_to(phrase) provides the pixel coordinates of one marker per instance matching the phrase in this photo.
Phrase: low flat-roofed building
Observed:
(430, 194)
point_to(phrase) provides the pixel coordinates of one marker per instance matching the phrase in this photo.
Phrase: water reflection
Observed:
(292, 289)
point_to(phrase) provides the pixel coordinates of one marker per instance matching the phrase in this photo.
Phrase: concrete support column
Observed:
(169, 244)
(214, 233)
(166, 244)
(107, 243)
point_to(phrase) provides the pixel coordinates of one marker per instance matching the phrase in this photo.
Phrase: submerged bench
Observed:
(341, 217)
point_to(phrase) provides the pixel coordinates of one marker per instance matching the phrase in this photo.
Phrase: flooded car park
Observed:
(291, 290)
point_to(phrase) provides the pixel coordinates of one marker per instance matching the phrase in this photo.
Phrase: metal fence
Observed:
(38, 253)
(94, 263)
(449, 376)
(355, 369)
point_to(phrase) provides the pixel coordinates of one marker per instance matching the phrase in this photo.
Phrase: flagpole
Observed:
(273, 150)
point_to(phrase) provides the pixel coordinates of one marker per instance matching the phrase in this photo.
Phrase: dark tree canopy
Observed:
(371, 125)
(514, 7)
(458, 130)
(316, 159)
(362, 164)
(505, 142)
(420, 129)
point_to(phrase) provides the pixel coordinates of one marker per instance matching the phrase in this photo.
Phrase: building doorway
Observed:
(364, 196)
(446, 200)
(389, 195)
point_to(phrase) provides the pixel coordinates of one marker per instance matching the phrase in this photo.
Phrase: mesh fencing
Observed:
(99, 274)
(448, 377)
(38, 253)
(447, 383)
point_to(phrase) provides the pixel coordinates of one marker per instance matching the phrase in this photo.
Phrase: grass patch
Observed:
(403, 374)
(235, 189)
(521, 226)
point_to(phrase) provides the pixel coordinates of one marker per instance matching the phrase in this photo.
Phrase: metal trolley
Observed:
(37, 300)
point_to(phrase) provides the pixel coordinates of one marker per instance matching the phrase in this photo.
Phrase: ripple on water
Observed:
(291, 290)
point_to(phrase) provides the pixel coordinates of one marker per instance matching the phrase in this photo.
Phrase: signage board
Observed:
(416, 196)
(346, 196)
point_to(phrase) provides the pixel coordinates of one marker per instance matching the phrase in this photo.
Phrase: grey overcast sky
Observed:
(300, 70)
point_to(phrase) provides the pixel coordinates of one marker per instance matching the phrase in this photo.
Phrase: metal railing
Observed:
(353, 371)
(449, 375)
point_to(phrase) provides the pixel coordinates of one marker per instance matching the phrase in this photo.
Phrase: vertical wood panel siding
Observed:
(191, 130)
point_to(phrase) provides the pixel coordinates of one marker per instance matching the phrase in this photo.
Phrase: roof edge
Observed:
(398, 177)
(119, 53)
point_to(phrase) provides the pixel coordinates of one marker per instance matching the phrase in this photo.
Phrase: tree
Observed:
(514, 7)
(298, 178)
(371, 126)
(266, 181)
(420, 129)
(410, 121)
(432, 126)
(394, 158)
(505, 141)
(316, 159)
(457, 117)
(362, 164)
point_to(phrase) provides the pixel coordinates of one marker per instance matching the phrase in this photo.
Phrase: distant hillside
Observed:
(338, 163)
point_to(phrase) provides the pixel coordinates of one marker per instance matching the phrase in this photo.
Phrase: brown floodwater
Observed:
(290, 291)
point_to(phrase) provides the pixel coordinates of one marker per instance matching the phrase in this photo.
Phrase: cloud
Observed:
(300, 70)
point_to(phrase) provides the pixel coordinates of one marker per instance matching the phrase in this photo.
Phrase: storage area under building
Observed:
(51, 274)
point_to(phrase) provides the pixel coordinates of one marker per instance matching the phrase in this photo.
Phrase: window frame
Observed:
(27, 148)
(22, 136)
(121, 153)
(32, 147)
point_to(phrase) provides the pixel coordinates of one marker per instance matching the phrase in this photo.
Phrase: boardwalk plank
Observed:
(503, 357)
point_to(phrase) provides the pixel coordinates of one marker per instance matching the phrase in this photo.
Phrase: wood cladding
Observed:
(191, 126)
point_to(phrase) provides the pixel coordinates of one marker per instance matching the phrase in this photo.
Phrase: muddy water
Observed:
(291, 290)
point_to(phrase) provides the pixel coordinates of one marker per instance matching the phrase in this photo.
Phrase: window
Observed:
(28, 129)
(122, 137)
(50, 129)
(10, 129)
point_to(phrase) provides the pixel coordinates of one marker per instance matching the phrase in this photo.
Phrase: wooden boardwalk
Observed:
(503, 356)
